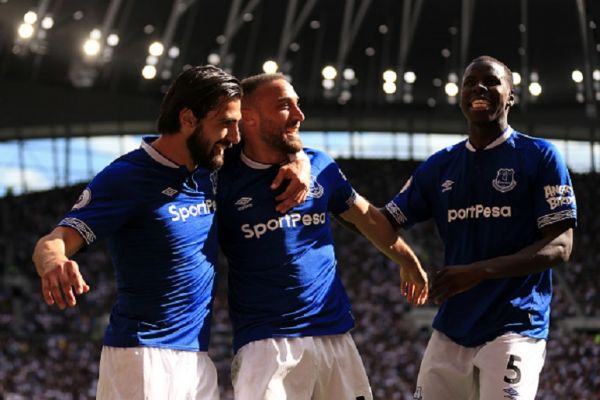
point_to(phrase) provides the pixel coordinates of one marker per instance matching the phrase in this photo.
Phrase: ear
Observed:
(187, 119)
(511, 99)
(249, 117)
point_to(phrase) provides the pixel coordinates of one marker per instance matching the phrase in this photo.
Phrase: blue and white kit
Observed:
(282, 267)
(158, 219)
(487, 204)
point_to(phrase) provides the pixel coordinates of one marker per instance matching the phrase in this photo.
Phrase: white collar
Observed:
(253, 164)
(499, 140)
(155, 154)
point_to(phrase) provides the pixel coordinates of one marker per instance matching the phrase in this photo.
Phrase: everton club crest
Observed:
(505, 180)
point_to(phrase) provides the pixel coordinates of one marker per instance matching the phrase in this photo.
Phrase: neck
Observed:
(262, 153)
(482, 134)
(171, 147)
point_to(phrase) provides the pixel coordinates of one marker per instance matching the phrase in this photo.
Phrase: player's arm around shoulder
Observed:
(59, 275)
(376, 227)
(297, 171)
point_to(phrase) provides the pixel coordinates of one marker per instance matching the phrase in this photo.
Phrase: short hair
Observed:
(252, 83)
(200, 89)
(491, 59)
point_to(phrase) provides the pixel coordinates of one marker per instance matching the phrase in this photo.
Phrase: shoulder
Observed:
(123, 172)
(318, 158)
(441, 157)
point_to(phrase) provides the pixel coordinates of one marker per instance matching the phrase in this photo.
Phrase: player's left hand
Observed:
(297, 172)
(451, 281)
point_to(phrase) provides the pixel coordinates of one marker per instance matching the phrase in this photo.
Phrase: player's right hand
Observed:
(414, 284)
(61, 281)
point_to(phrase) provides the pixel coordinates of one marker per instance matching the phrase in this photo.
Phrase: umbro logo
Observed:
(244, 203)
(447, 185)
(169, 191)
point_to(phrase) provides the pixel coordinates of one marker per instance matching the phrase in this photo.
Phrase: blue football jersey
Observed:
(487, 204)
(282, 267)
(158, 220)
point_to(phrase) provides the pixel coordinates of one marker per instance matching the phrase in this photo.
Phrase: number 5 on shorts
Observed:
(511, 365)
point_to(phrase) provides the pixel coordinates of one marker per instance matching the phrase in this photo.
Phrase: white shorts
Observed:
(508, 367)
(134, 373)
(303, 368)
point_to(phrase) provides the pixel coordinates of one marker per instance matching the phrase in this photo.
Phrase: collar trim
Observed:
(156, 155)
(499, 140)
(253, 164)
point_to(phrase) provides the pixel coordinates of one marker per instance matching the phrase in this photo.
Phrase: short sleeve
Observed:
(553, 191)
(103, 206)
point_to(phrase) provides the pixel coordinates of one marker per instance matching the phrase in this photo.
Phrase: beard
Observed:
(203, 154)
(279, 140)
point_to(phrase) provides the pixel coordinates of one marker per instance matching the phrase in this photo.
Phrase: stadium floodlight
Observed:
(516, 77)
(452, 77)
(174, 52)
(30, 17)
(214, 59)
(535, 89)
(91, 47)
(25, 31)
(410, 77)
(151, 60)
(348, 74)
(95, 34)
(47, 22)
(389, 87)
(329, 72)
(596, 74)
(390, 76)
(328, 84)
(156, 49)
(577, 76)
(149, 72)
(451, 89)
(270, 67)
(112, 40)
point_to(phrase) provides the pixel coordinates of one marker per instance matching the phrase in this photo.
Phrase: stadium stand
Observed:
(52, 354)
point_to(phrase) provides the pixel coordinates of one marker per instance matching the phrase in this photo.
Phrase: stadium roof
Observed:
(49, 88)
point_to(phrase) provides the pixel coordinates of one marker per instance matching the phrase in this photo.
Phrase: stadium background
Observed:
(57, 102)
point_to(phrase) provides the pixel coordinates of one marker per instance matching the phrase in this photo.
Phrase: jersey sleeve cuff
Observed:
(396, 213)
(550, 219)
(84, 230)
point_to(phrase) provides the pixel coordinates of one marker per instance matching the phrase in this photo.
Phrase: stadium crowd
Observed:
(51, 354)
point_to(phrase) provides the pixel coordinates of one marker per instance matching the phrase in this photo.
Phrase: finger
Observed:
(290, 191)
(75, 278)
(278, 179)
(46, 292)
(67, 289)
(55, 291)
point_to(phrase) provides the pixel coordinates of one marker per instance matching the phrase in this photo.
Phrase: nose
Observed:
(233, 133)
(480, 87)
(297, 113)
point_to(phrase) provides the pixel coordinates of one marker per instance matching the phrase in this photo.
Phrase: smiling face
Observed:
(217, 131)
(279, 116)
(486, 93)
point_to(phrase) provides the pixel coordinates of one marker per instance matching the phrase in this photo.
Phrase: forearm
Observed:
(544, 253)
(58, 245)
(374, 225)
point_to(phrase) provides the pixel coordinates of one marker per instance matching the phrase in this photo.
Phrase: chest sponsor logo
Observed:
(169, 192)
(287, 221)
(559, 195)
(182, 213)
(316, 190)
(505, 180)
(479, 211)
(447, 185)
(84, 199)
(244, 203)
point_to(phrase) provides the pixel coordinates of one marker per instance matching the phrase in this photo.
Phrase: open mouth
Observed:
(480, 105)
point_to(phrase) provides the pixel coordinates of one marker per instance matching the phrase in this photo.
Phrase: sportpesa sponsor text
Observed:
(286, 221)
(479, 211)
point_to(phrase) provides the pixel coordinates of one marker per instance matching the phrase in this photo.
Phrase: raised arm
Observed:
(59, 274)
(376, 227)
